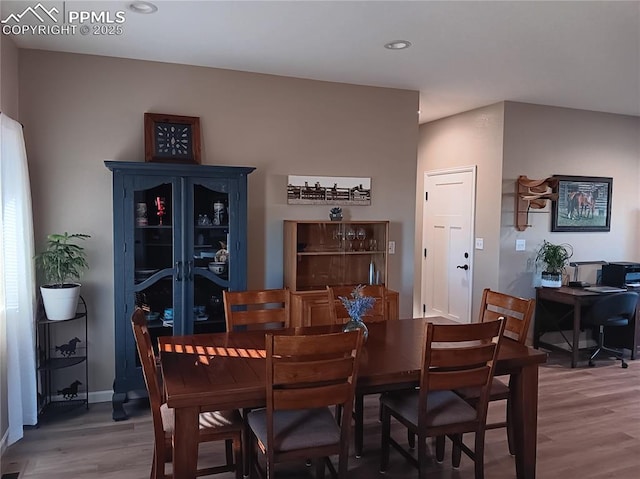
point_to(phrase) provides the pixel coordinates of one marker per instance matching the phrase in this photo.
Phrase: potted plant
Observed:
(62, 263)
(555, 258)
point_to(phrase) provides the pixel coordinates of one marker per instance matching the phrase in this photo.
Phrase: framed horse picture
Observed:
(583, 204)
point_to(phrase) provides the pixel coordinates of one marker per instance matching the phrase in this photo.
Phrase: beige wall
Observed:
(466, 139)
(9, 77)
(541, 141)
(511, 139)
(79, 110)
(9, 106)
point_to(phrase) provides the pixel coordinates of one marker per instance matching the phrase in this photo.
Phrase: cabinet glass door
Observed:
(154, 262)
(210, 264)
(340, 253)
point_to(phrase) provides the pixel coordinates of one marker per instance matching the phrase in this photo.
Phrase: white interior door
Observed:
(448, 220)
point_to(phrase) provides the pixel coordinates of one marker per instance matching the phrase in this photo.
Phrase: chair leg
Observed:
(359, 418)
(154, 466)
(239, 463)
(440, 443)
(456, 451)
(270, 463)
(478, 454)
(510, 434)
(411, 439)
(228, 451)
(422, 457)
(251, 445)
(384, 438)
(320, 468)
(599, 347)
(247, 445)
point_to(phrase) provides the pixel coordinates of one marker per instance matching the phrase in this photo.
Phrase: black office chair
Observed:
(612, 310)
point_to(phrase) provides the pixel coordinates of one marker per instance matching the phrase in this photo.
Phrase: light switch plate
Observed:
(392, 247)
(479, 243)
(521, 245)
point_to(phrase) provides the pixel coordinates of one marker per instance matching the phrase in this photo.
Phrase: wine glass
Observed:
(338, 236)
(361, 235)
(351, 235)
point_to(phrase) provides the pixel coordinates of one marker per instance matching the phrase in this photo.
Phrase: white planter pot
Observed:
(60, 303)
(551, 280)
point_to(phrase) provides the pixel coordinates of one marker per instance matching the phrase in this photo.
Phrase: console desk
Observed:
(560, 309)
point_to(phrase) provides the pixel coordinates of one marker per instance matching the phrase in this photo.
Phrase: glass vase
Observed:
(354, 324)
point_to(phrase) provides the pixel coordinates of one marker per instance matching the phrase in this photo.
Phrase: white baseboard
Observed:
(103, 396)
(3, 442)
(555, 338)
(94, 396)
(100, 396)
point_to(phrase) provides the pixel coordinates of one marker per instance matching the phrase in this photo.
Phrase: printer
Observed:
(622, 274)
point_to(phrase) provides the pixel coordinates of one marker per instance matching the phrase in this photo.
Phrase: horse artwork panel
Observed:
(584, 204)
(581, 204)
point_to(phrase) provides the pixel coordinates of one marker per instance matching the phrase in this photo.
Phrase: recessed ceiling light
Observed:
(398, 45)
(142, 7)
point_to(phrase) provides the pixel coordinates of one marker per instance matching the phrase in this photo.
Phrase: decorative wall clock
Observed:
(171, 138)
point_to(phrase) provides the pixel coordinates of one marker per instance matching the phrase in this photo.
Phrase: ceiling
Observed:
(582, 54)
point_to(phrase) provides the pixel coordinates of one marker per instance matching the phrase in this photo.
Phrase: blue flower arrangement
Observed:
(358, 304)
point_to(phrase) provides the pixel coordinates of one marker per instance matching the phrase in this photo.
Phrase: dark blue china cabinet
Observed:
(180, 239)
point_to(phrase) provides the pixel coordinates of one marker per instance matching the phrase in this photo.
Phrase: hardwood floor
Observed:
(588, 428)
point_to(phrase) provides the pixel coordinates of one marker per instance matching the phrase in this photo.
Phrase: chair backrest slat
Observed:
(462, 356)
(307, 346)
(333, 369)
(257, 308)
(517, 312)
(476, 377)
(311, 397)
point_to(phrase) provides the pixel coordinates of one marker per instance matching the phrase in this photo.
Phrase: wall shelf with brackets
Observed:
(532, 194)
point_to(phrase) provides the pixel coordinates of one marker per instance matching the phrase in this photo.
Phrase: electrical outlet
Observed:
(392, 247)
(479, 243)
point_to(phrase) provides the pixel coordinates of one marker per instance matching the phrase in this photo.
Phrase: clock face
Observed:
(173, 140)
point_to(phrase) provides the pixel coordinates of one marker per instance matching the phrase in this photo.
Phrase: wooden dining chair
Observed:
(306, 374)
(464, 356)
(213, 426)
(339, 314)
(257, 309)
(517, 313)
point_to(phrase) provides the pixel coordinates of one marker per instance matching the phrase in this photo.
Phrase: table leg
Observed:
(525, 414)
(359, 418)
(185, 443)
(575, 350)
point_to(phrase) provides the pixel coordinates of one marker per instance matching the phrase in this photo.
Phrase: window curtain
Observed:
(17, 292)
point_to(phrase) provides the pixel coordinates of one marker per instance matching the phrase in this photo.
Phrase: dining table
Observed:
(208, 372)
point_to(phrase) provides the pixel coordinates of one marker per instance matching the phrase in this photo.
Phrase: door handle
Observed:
(189, 274)
(464, 267)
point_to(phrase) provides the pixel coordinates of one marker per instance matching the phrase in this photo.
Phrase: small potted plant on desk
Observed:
(62, 263)
(555, 258)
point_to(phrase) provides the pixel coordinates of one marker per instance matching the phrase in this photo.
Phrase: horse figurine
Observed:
(71, 391)
(69, 348)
